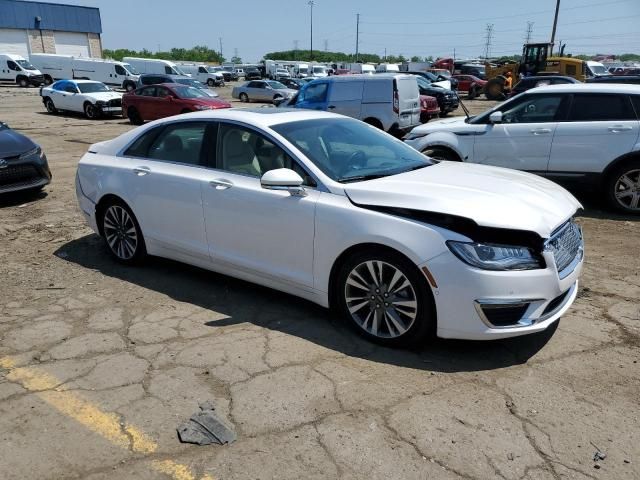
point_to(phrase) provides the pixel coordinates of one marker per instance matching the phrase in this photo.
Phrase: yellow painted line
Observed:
(106, 424)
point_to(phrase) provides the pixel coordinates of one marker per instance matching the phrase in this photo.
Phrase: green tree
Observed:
(416, 59)
(236, 60)
(199, 53)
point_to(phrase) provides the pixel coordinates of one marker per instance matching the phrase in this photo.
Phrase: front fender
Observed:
(461, 144)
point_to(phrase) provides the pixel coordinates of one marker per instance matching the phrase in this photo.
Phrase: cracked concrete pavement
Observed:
(99, 363)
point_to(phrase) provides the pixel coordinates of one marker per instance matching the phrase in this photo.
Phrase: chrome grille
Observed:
(566, 245)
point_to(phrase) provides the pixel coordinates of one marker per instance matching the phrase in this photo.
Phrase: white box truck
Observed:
(203, 73)
(364, 68)
(67, 67)
(301, 70)
(16, 69)
(155, 65)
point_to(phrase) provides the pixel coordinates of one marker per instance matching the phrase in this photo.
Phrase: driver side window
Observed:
(534, 109)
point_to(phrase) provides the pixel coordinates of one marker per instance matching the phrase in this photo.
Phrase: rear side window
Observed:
(179, 142)
(140, 146)
(148, 92)
(635, 99)
(600, 107)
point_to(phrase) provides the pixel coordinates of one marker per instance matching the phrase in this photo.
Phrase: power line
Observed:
(487, 45)
(527, 37)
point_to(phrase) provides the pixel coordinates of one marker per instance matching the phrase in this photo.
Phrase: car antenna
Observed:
(464, 107)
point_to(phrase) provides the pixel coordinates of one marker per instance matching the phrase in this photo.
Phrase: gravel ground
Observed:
(100, 363)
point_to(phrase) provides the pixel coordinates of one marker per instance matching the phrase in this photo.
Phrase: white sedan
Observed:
(84, 96)
(332, 210)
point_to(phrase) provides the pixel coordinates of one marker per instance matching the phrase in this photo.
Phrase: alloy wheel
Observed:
(627, 190)
(91, 111)
(51, 108)
(120, 232)
(381, 299)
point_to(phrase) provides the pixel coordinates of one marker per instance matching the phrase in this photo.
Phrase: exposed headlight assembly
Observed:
(32, 153)
(488, 256)
(202, 107)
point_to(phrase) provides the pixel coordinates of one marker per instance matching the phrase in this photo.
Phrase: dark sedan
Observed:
(294, 83)
(633, 79)
(252, 74)
(447, 99)
(23, 164)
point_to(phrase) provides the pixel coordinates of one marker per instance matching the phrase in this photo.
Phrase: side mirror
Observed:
(495, 117)
(283, 179)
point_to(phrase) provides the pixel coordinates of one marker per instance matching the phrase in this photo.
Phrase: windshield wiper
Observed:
(373, 176)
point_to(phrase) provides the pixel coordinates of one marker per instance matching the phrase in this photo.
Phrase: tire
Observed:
(129, 87)
(121, 233)
(186, 110)
(244, 97)
(493, 89)
(211, 83)
(23, 82)
(48, 80)
(622, 187)
(473, 93)
(374, 123)
(91, 111)
(385, 298)
(440, 154)
(134, 116)
(50, 106)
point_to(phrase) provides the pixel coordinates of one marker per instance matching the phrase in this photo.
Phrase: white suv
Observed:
(577, 134)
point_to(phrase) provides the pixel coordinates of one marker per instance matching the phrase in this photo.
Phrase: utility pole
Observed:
(385, 54)
(357, 35)
(527, 37)
(220, 38)
(311, 3)
(555, 24)
(487, 46)
(295, 49)
(235, 53)
(326, 45)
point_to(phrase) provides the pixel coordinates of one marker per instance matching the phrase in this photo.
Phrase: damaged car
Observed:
(335, 211)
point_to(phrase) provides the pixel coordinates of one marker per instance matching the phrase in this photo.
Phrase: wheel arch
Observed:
(102, 204)
(627, 157)
(374, 122)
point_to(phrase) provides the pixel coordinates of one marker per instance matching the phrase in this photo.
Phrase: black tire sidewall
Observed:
(51, 109)
(610, 183)
(141, 250)
(244, 97)
(90, 107)
(424, 326)
(440, 154)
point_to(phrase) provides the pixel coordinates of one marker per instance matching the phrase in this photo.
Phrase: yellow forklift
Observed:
(534, 61)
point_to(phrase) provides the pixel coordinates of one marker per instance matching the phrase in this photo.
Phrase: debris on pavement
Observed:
(206, 428)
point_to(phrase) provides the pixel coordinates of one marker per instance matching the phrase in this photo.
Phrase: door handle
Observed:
(331, 107)
(540, 131)
(141, 171)
(619, 128)
(221, 184)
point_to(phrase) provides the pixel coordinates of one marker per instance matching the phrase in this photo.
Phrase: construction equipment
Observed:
(534, 61)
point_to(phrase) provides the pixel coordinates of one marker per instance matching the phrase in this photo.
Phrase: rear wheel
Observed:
(129, 86)
(134, 116)
(122, 233)
(23, 82)
(386, 299)
(91, 111)
(440, 154)
(48, 80)
(374, 122)
(623, 187)
(211, 83)
(244, 97)
(493, 89)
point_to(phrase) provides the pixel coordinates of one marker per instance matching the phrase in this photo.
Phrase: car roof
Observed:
(170, 75)
(587, 87)
(78, 82)
(549, 77)
(265, 117)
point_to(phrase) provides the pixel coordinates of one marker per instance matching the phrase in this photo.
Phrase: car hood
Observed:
(13, 143)
(490, 196)
(104, 96)
(448, 125)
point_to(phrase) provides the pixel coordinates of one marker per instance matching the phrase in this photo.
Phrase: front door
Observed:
(313, 96)
(523, 139)
(260, 231)
(600, 128)
(167, 165)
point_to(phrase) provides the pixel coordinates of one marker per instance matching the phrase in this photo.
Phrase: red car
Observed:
(165, 100)
(470, 84)
(429, 108)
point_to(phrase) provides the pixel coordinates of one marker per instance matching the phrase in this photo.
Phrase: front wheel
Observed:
(244, 98)
(386, 299)
(122, 233)
(134, 116)
(91, 111)
(440, 154)
(623, 188)
(50, 106)
(211, 83)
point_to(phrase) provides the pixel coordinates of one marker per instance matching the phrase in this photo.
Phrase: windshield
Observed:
(303, 69)
(318, 69)
(26, 65)
(178, 71)
(214, 69)
(596, 69)
(276, 85)
(348, 150)
(431, 76)
(131, 69)
(92, 87)
(444, 73)
(423, 82)
(191, 83)
(189, 92)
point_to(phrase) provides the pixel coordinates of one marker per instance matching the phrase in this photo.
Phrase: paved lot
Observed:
(100, 363)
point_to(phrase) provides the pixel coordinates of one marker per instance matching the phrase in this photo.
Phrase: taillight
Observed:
(396, 102)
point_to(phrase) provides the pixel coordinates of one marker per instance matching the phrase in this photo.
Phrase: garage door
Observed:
(71, 43)
(14, 41)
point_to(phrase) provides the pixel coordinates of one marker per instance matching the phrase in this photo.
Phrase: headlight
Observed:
(36, 151)
(496, 257)
(203, 107)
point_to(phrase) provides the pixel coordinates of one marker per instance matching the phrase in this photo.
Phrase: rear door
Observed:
(168, 104)
(146, 103)
(600, 128)
(345, 98)
(407, 101)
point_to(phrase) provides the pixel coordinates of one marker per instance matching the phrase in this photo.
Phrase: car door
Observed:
(145, 102)
(163, 179)
(345, 98)
(71, 98)
(314, 96)
(264, 232)
(600, 128)
(259, 91)
(523, 139)
(167, 104)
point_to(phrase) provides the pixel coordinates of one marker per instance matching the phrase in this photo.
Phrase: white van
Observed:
(362, 68)
(390, 102)
(203, 73)
(596, 69)
(301, 70)
(387, 68)
(16, 69)
(67, 67)
(155, 65)
(318, 71)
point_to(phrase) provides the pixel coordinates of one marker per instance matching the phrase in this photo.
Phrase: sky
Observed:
(435, 28)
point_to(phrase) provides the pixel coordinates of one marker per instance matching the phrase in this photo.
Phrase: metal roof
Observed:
(53, 16)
